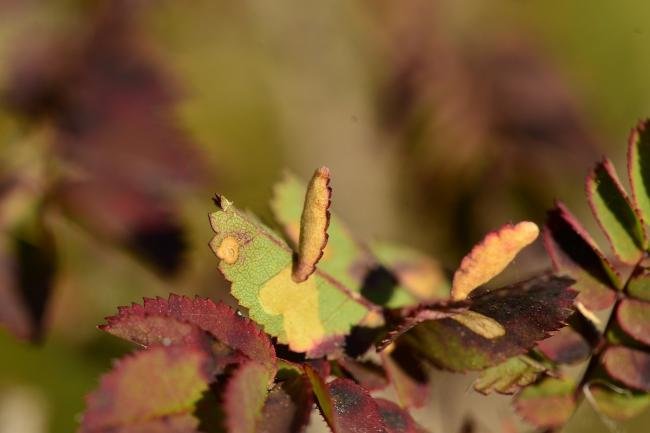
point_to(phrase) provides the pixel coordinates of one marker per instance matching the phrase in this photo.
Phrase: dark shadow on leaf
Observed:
(379, 285)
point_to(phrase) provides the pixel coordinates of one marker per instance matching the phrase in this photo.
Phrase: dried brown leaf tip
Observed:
(491, 256)
(313, 225)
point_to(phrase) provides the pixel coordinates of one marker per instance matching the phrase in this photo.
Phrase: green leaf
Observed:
(615, 214)
(312, 316)
(629, 366)
(509, 376)
(575, 254)
(639, 285)
(547, 404)
(638, 166)
(149, 390)
(245, 396)
(617, 403)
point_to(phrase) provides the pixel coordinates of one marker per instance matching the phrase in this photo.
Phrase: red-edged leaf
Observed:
(639, 285)
(629, 366)
(634, 318)
(396, 419)
(288, 406)
(346, 407)
(491, 256)
(245, 396)
(638, 166)
(615, 214)
(148, 391)
(528, 311)
(547, 404)
(575, 254)
(217, 319)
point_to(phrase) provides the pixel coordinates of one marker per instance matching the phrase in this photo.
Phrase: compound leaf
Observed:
(629, 366)
(547, 404)
(312, 316)
(149, 390)
(575, 254)
(615, 214)
(491, 256)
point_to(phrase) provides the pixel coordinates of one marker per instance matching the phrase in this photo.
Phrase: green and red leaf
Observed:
(631, 367)
(615, 213)
(567, 346)
(639, 285)
(638, 165)
(617, 403)
(547, 404)
(149, 390)
(634, 318)
(575, 254)
(245, 396)
(528, 311)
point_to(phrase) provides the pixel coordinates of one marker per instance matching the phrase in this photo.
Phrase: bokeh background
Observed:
(439, 119)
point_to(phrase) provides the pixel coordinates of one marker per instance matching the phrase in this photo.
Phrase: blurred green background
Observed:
(439, 120)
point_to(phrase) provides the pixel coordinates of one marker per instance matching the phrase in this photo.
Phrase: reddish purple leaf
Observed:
(634, 318)
(245, 396)
(150, 390)
(396, 419)
(288, 407)
(567, 346)
(574, 253)
(218, 319)
(346, 407)
(528, 311)
(629, 366)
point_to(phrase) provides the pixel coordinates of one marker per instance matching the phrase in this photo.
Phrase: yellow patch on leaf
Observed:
(482, 325)
(299, 307)
(313, 224)
(491, 256)
(228, 250)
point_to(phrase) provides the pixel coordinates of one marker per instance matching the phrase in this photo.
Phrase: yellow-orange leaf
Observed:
(491, 256)
(313, 224)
